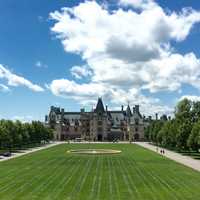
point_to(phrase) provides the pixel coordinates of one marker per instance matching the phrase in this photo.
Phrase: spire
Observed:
(99, 106)
(128, 111)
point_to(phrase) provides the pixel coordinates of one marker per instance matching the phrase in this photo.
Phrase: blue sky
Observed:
(71, 74)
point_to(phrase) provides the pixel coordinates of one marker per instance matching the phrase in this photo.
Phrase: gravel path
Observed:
(185, 160)
(27, 151)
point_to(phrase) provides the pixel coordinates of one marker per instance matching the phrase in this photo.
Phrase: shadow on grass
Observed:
(193, 154)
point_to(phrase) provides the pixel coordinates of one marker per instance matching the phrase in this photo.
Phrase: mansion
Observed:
(101, 124)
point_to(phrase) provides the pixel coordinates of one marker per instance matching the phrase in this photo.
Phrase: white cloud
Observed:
(126, 50)
(87, 94)
(80, 71)
(141, 4)
(4, 88)
(23, 119)
(15, 80)
(190, 97)
(39, 64)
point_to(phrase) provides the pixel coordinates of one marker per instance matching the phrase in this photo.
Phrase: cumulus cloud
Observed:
(140, 4)
(15, 80)
(4, 88)
(80, 71)
(87, 94)
(190, 97)
(126, 49)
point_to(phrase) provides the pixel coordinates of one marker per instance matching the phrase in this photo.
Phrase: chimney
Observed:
(137, 108)
(156, 116)
(46, 118)
(106, 108)
(149, 118)
(62, 110)
(133, 109)
(122, 108)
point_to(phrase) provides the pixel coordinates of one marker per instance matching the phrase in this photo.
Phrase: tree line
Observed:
(15, 135)
(180, 133)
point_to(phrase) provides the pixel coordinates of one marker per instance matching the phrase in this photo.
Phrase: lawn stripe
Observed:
(177, 181)
(133, 192)
(149, 190)
(35, 183)
(49, 177)
(134, 174)
(59, 188)
(20, 170)
(163, 184)
(110, 178)
(94, 182)
(115, 179)
(153, 187)
(76, 181)
(99, 178)
(24, 158)
(166, 182)
(80, 187)
(14, 182)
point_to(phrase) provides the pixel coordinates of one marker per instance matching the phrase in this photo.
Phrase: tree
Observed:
(17, 134)
(183, 111)
(195, 111)
(183, 134)
(194, 138)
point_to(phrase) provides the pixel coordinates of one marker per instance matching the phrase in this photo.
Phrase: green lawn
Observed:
(136, 173)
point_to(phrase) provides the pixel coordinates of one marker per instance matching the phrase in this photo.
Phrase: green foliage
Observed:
(194, 138)
(182, 132)
(15, 135)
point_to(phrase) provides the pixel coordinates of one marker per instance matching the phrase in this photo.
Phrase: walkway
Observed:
(27, 151)
(185, 160)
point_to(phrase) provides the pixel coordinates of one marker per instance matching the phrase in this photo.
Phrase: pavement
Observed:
(185, 160)
(27, 151)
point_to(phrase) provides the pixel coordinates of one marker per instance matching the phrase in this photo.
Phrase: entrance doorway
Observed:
(99, 137)
(136, 136)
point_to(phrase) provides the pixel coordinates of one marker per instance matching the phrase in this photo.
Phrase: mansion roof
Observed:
(115, 115)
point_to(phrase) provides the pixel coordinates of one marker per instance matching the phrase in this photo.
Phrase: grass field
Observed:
(136, 173)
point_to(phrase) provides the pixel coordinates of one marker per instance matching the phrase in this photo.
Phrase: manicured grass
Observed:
(136, 173)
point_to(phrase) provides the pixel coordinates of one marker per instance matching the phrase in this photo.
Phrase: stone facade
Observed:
(98, 125)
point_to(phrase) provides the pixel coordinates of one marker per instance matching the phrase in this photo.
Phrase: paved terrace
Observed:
(185, 160)
(27, 151)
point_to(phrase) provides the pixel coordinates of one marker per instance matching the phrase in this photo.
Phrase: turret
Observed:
(137, 108)
(128, 111)
(100, 107)
(156, 116)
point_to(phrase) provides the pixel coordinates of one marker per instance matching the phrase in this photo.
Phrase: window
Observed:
(136, 121)
(136, 129)
(99, 129)
(76, 122)
(99, 123)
